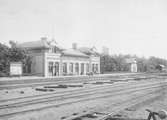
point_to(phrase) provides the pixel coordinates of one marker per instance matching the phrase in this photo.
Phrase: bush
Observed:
(2, 74)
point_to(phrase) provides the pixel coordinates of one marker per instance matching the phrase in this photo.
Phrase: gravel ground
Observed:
(57, 113)
(30, 91)
(139, 111)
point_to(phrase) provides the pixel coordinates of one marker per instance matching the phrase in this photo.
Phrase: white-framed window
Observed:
(71, 67)
(77, 68)
(93, 68)
(53, 50)
(56, 69)
(87, 67)
(82, 68)
(64, 67)
(96, 68)
(50, 68)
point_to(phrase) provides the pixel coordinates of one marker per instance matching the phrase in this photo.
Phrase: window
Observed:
(50, 50)
(64, 67)
(96, 68)
(50, 68)
(56, 67)
(93, 68)
(87, 67)
(53, 50)
(71, 67)
(82, 68)
(77, 68)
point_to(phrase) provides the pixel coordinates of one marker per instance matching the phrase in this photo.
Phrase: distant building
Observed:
(49, 59)
(105, 50)
(133, 64)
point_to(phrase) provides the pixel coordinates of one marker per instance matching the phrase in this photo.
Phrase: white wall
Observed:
(68, 60)
(51, 57)
(133, 67)
(40, 62)
(95, 60)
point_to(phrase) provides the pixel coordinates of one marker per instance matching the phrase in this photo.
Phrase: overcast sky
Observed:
(124, 26)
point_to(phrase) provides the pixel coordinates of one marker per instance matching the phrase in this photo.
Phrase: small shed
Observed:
(15, 68)
(133, 64)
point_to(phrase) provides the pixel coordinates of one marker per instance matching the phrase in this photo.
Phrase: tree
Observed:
(118, 63)
(10, 54)
(4, 59)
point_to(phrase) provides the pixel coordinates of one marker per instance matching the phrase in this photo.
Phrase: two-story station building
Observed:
(49, 59)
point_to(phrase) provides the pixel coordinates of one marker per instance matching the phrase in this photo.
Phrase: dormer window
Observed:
(53, 50)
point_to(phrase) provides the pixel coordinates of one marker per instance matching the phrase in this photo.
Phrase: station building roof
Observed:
(73, 52)
(43, 43)
(89, 51)
(34, 44)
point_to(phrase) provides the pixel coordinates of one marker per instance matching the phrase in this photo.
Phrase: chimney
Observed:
(105, 50)
(44, 38)
(74, 46)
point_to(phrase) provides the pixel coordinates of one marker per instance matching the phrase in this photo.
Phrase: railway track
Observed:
(61, 97)
(131, 102)
(22, 106)
(117, 106)
(61, 94)
(12, 84)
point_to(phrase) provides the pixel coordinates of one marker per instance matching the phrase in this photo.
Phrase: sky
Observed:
(124, 26)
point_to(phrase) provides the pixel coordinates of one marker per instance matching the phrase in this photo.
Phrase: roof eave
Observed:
(75, 55)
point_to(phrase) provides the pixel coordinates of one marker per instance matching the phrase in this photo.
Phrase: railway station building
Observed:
(49, 59)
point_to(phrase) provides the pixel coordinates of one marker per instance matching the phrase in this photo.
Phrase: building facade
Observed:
(49, 59)
(133, 66)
